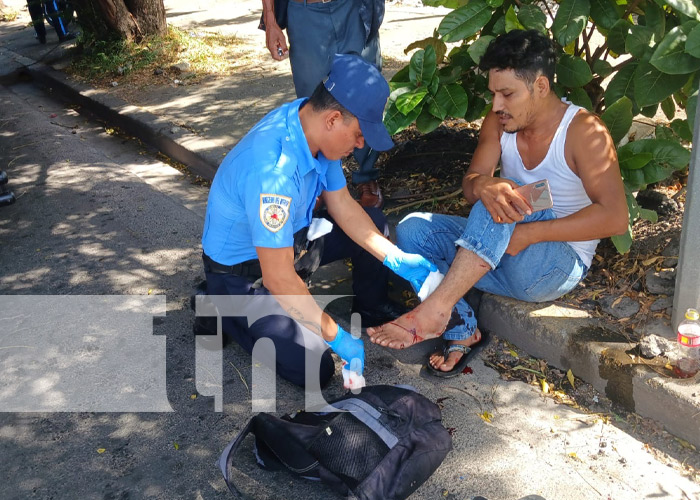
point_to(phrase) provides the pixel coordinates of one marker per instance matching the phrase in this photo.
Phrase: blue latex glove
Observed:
(350, 349)
(412, 267)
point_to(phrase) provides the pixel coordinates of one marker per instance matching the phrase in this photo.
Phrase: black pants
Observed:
(369, 285)
(36, 11)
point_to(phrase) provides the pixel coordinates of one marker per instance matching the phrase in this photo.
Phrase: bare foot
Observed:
(415, 326)
(437, 360)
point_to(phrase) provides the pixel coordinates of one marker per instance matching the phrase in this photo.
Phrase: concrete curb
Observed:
(570, 339)
(171, 140)
(565, 337)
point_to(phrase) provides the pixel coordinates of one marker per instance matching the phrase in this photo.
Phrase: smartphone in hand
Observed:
(537, 194)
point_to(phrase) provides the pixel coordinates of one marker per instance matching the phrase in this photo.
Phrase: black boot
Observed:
(205, 325)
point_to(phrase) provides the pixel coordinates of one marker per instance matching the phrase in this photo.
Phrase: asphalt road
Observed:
(98, 215)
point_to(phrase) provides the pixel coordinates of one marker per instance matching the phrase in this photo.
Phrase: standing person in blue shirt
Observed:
(317, 30)
(264, 194)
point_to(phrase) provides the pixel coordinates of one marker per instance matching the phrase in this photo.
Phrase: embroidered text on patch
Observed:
(274, 211)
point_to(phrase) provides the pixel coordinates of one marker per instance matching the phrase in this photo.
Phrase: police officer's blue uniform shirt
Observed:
(266, 188)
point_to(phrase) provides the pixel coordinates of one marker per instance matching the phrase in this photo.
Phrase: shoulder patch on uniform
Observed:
(274, 211)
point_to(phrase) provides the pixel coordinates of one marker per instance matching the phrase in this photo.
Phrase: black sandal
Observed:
(468, 352)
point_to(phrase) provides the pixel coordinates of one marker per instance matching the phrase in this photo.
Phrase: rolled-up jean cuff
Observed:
(480, 251)
(457, 334)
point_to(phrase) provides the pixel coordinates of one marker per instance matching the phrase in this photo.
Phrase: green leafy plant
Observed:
(207, 53)
(618, 58)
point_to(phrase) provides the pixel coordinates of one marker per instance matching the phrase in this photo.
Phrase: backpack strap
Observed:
(226, 458)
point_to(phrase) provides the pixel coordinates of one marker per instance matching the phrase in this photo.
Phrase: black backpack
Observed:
(386, 443)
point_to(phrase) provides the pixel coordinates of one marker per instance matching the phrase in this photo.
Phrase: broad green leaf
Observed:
(623, 242)
(580, 97)
(459, 56)
(649, 215)
(570, 20)
(512, 22)
(494, 3)
(633, 179)
(477, 109)
(670, 55)
(650, 111)
(655, 18)
(449, 74)
(665, 154)
(399, 91)
(692, 43)
(682, 129)
(499, 27)
(426, 122)
(395, 121)
(465, 21)
(434, 84)
(422, 67)
(617, 36)
(668, 107)
(604, 13)
(573, 71)
(476, 50)
(394, 86)
(453, 99)
(655, 172)
(402, 76)
(622, 84)
(481, 84)
(438, 46)
(685, 7)
(618, 118)
(408, 101)
(436, 109)
(639, 41)
(602, 68)
(665, 133)
(632, 161)
(652, 86)
(532, 17)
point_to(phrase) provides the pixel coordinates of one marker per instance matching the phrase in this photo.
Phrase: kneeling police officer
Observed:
(264, 194)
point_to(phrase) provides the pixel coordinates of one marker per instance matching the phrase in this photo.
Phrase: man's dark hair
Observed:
(528, 53)
(322, 100)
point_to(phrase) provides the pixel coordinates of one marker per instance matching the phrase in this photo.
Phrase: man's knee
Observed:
(478, 210)
(411, 230)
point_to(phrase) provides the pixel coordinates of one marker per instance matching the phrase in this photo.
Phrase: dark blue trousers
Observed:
(369, 285)
(36, 11)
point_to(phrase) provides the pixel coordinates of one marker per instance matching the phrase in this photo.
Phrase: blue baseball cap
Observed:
(363, 91)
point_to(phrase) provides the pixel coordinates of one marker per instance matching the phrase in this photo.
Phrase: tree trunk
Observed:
(127, 19)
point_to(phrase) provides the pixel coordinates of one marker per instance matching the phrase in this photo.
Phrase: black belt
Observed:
(249, 269)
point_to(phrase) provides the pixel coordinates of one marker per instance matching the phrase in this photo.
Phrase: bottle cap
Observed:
(692, 314)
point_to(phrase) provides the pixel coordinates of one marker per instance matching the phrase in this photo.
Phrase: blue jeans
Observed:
(318, 31)
(543, 271)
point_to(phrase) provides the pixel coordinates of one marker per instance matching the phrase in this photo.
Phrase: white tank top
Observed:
(568, 194)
